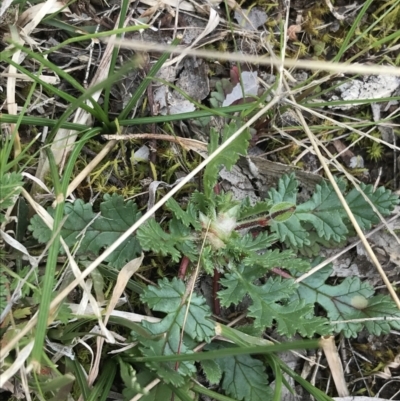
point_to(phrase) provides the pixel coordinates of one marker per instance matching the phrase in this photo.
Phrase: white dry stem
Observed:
(147, 388)
(335, 364)
(17, 364)
(183, 5)
(22, 77)
(213, 22)
(187, 143)
(123, 277)
(88, 169)
(133, 317)
(314, 65)
(341, 124)
(4, 6)
(345, 250)
(191, 285)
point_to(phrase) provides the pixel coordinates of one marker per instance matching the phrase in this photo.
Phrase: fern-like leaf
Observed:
(383, 199)
(323, 215)
(164, 336)
(351, 300)
(244, 377)
(92, 231)
(228, 157)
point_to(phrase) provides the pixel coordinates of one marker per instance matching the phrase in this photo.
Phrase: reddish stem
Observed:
(281, 272)
(183, 267)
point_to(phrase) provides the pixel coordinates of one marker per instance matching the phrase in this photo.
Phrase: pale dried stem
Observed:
(335, 364)
(313, 65)
(88, 169)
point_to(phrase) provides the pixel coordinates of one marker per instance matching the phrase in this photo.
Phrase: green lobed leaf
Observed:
(244, 377)
(274, 258)
(129, 378)
(324, 212)
(290, 317)
(248, 244)
(187, 217)
(167, 297)
(269, 303)
(383, 199)
(296, 317)
(381, 307)
(211, 370)
(287, 190)
(165, 340)
(152, 237)
(183, 238)
(341, 302)
(165, 336)
(201, 202)
(228, 157)
(322, 219)
(249, 210)
(316, 242)
(93, 232)
(291, 231)
(238, 283)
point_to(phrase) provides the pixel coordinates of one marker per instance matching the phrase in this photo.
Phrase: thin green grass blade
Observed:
(76, 368)
(97, 111)
(49, 87)
(40, 122)
(350, 33)
(378, 43)
(71, 29)
(90, 36)
(272, 362)
(122, 16)
(103, 384)
(222, 353)
(47, 288)
(212, 394)
(145, 83)
(48, 281)
(69, 168)
(318, 394)
(223, 111)
(350, 102)
(88, 94)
